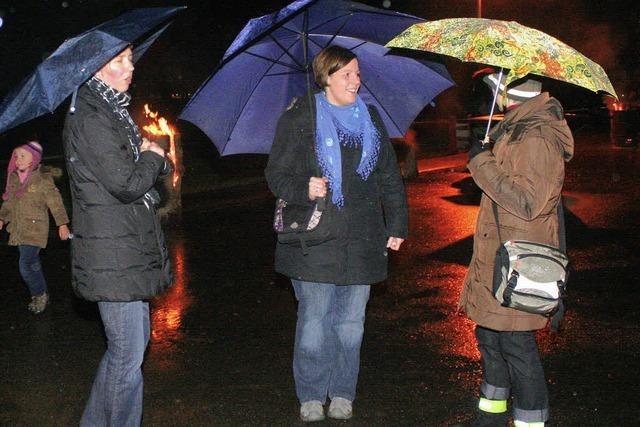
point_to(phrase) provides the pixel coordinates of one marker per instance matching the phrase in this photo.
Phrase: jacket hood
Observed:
(541, 110)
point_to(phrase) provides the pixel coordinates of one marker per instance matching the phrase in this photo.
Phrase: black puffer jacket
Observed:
(118, 253)
(373, 210)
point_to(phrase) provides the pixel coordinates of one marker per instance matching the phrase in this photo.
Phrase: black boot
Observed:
(486, 419)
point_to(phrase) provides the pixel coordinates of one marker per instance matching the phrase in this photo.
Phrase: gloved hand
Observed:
(476, 148)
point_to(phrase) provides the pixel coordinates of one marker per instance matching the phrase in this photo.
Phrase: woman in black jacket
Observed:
(118, 255)
(336, 146)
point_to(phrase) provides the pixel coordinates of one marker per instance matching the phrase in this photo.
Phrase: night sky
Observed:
(606, 31)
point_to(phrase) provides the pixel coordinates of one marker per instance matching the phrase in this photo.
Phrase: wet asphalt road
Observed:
(222, 338)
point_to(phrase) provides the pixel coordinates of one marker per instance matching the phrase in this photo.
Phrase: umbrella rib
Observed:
(291, 30)
(381, 105)
(275, 61)
(286, 52)
(266, 74)
(284, 73)
(351, 48)
(316, 43)
(227, 60)
(358, 45)
(260, 36)
(346, 21)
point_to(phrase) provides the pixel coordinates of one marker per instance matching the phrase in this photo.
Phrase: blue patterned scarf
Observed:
(350, 126)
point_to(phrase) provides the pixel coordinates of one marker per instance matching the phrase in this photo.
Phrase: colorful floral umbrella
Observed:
(506, 44)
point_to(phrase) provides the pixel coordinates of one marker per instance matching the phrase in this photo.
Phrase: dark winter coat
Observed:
(373, 210)
(524, 175)
(28, 216)
(118, 253)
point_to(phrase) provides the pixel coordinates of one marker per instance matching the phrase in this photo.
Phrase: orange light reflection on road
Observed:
(455, 332)
(446, 225)
(169, 308)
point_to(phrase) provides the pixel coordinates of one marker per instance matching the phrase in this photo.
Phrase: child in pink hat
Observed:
(28, 197)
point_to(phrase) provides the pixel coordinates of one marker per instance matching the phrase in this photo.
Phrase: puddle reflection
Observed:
(446, 226)
(455, 333)
(170, 308)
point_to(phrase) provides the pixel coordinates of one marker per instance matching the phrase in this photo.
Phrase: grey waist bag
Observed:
(529, 276)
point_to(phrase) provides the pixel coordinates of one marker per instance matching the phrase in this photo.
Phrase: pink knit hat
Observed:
(35, 149)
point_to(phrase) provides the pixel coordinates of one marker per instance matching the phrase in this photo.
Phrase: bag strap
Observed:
(321, 202)
(557, 317)
(494, 205)
(562, 240)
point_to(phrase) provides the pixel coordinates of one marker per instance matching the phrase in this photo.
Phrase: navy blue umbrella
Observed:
(76, 60)
(269, 63)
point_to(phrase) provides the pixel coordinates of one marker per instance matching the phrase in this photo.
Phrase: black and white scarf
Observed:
(118, 101)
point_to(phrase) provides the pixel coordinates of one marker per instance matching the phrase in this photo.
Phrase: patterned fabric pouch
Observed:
(303, 225)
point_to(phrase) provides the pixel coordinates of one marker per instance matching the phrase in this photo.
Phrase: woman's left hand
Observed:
(63, 232)
(145, 144)
(394, 243)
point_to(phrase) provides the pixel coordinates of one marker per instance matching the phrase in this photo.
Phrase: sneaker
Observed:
(340, 409)
(311, 411)
(38, 303)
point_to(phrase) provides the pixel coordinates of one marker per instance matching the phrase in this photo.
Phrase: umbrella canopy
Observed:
(269, 63)
(506, 44)
(76, 60)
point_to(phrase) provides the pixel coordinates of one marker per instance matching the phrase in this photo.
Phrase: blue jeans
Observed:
(31, 269)
(116, 395)
(329, 330)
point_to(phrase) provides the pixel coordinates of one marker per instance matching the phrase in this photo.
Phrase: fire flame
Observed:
(160, 126)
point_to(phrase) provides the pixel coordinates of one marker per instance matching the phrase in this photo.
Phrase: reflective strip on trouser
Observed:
(492, 406)
(518, 423)
(530, 417)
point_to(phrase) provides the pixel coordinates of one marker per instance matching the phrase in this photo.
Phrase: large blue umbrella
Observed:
(269, 63)
(76, 60)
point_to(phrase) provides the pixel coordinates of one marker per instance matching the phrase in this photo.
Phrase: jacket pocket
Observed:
(36, 227)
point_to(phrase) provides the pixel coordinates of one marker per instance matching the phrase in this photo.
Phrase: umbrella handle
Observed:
(72, 108)
(485, 141)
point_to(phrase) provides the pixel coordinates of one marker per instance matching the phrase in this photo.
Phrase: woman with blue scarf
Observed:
(333, 145)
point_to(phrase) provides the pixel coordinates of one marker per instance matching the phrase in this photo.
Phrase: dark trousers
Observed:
(511, 367)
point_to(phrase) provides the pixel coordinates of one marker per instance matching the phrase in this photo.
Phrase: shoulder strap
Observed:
(494, 205)
(562, 238)
(556, 319)
(321, 202)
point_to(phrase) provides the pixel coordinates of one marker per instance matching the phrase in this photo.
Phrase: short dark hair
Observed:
(328, 61)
